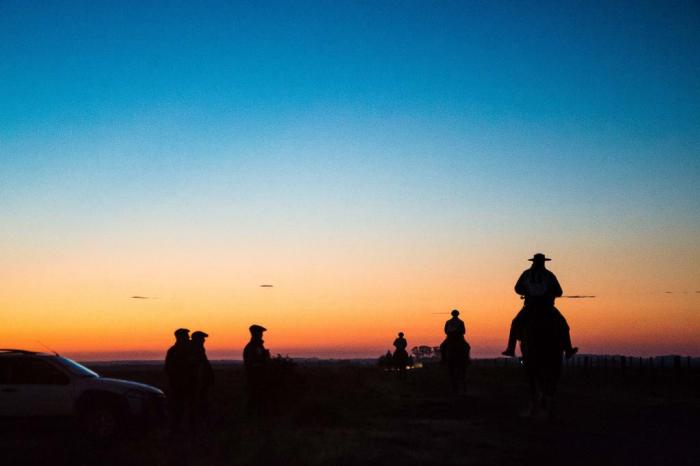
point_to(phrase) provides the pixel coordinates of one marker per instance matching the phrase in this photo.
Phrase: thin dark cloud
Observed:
(579, 296)
(266, 286)
(142, 297)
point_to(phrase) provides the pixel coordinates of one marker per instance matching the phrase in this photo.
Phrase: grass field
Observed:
(359, 415)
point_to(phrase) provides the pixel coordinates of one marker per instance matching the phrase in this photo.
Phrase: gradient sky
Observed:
(379, 163)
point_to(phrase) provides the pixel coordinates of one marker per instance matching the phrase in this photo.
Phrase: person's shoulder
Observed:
(251, 346)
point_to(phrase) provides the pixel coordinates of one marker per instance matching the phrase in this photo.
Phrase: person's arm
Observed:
(168, 363)
(521, 284)
(556, 287)
(246, 356)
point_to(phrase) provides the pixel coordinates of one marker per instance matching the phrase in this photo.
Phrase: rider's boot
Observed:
(512, 339)
(510, 350)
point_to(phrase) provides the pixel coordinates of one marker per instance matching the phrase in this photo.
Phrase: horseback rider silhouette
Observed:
(455, 352)
(539, 288)
(400, 357)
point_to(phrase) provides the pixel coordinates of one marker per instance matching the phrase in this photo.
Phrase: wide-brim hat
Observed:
(539, 257)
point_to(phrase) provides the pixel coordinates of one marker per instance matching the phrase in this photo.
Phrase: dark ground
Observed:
(355, 415)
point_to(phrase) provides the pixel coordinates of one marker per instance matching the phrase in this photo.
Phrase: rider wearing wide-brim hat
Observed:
(539, 288)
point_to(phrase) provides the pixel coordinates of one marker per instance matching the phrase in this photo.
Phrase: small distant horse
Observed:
(400, 361)
(542, 347)
(455, 352)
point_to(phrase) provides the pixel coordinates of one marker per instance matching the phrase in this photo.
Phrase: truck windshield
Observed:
(76, 369)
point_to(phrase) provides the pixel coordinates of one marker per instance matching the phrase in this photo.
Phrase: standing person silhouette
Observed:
(539, 288)
(256, 358)
(203, 379)
(178, 368)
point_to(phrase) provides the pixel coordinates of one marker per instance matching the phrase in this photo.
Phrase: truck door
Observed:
(33, 387)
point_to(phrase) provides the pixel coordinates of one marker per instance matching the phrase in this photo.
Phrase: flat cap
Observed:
(182, 331)
(199, 334)
(257, 328)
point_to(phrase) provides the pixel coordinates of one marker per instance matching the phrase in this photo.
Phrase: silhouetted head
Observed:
(257, 330)
(198, 337)
(400, 334)
(182, 334)
(539, 259)
(454, 313)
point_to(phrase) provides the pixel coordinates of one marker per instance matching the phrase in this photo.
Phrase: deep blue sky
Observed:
(599, 101)
(630, 67)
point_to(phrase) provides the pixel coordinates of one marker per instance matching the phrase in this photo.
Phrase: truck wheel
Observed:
(102, 423)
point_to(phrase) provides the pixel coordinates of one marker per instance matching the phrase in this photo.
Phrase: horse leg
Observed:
(532, 408)
(460, 380)
(550, 391)
(454, 378)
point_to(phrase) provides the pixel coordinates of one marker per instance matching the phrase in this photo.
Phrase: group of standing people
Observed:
(190, 377)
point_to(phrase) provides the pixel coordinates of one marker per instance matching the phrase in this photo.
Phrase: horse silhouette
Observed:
(542, 347)
(456, 355)
(400, 360)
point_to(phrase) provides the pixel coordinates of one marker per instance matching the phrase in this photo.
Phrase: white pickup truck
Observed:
(42, 385)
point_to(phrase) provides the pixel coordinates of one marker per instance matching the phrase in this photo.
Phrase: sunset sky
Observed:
(379, 163)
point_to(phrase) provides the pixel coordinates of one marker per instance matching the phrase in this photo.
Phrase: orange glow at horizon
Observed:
(88, 310)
